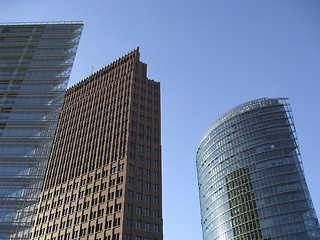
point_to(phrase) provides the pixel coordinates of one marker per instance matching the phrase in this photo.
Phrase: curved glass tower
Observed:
(251, 181)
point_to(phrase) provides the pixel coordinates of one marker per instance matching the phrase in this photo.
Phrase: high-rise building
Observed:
(35, 65)
(103, 179)
(251, 181)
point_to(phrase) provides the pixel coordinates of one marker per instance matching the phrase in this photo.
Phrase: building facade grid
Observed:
(103, 179)
(35, 64)
(250, 175)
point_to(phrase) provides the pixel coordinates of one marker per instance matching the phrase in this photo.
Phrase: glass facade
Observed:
(35, 64)
(251, 181)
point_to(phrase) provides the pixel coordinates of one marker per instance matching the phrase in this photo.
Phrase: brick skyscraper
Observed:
(103, 179)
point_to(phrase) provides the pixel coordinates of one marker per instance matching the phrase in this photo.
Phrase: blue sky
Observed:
(209, 56)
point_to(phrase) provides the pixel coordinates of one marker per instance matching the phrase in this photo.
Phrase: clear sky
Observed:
(209, 56)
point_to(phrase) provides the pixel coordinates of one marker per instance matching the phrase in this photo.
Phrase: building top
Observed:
(245, 107)
(39, 23)
(133, 54)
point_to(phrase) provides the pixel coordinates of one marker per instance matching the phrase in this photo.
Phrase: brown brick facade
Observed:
(103, 179)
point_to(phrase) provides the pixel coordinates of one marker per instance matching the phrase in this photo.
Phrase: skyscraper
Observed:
(251, 181)
(103, 179)
(35, 65)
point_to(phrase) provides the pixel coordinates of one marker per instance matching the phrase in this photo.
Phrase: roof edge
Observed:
(39, 23)
(247, 106)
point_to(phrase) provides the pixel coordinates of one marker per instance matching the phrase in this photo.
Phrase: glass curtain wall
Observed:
(251, 180)
(35, 64)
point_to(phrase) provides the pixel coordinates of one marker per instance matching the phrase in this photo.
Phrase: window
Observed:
(141, 137)
(117, 207)
(69, 223)
(62, 225)
(128, 222)
(148, 184)
(83, 182)
(71, 210)
(139, 183)
(79, 207)
(81, 194)
(147, 198)
(119, 193)
(77, 220)
(67, 236)
(109, 209)
(138, 225)
(147, 227)
(140, 170)
(156, 228)
(138, 210)
(139, 196)
(141, 147)
(148, 149)
(73, 197)
(131, 167)
(156, 187)
(49, 229)
(130, 180)
(55, 227)
(140, 159)
(121, 167)
(127, 237)
(156, 200)
(65, 212)
(113, 170)
(75, 234)
(129, 208)
(67, 199)
(147, 212)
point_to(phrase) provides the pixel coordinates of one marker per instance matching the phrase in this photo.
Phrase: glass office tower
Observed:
(251, 181)
(35, 65)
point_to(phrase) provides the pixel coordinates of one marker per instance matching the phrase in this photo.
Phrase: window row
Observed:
(139, 225)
